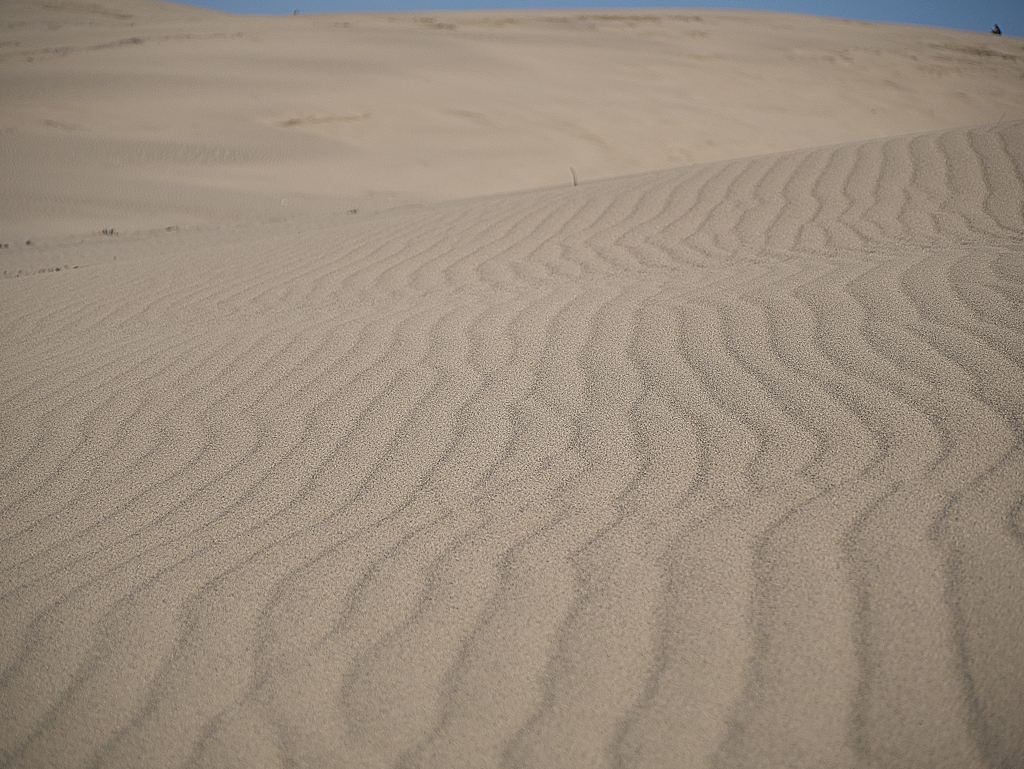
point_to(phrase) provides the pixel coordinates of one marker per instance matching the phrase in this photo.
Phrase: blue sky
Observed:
(973, 15)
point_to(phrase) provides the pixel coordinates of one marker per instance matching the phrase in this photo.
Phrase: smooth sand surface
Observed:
(137, 115)
(718, 465)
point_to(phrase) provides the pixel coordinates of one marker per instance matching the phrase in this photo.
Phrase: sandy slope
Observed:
(717, 466)
(714, 466)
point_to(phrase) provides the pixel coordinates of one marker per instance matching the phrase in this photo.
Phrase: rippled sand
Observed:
(719, 465)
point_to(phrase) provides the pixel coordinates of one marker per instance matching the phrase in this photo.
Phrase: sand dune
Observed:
(714, 466)
(139, 115)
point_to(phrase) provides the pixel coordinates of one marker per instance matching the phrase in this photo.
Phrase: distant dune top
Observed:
(136, 114)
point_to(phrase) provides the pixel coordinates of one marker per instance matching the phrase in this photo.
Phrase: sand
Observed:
(713, 460)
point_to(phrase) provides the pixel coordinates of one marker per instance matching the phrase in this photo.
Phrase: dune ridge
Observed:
(715, 466)
(137, 115)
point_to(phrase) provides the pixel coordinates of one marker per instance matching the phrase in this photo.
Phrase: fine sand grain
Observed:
(714, 466)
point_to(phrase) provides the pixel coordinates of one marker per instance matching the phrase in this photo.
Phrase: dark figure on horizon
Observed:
(996, 30)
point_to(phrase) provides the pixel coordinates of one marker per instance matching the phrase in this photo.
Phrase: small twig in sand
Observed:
(575, 181)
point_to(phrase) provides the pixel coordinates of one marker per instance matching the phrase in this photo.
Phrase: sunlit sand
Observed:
(340, 429)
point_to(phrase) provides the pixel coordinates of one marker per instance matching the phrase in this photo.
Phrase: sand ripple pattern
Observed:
(713, 467)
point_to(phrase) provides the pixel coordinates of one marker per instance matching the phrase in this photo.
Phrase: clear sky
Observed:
(973, 15)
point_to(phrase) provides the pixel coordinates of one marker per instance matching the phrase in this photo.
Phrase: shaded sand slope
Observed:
(719, 466)
(133, 114)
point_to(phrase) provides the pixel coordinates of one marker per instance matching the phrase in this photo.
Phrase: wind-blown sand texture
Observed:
(719, 466)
